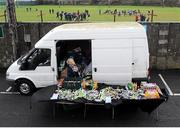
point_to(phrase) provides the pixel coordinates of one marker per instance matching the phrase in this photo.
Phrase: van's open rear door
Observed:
(112, 61)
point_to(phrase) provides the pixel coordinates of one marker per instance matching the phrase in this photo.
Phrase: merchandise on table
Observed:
(151, 94)
(144, 91)
(66, 94)
(152, 86)
(131, 91)
(132, 86)
(89, 84)
(92, 95)
(70, 94)
(151, 90)
(109, 91)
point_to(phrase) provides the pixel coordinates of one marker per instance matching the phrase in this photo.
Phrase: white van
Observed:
(118, 52)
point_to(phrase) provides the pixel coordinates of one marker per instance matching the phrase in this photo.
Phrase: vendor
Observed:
(71, 70)
(77, 65)
(74, 64)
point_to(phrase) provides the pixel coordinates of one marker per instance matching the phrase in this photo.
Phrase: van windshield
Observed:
(23, 57)
(36, 57)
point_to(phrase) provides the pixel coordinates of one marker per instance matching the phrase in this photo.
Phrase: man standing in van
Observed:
(72, 69)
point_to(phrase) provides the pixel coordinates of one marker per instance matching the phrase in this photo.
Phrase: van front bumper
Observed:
(10, 82)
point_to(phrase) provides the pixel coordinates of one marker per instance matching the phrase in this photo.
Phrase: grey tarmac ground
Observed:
(15, 109)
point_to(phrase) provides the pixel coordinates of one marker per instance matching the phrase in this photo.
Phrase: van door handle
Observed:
(52, 69)
(95, 69)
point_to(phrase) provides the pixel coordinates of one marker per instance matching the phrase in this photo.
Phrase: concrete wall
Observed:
(5, 48)
(164, 45)
(164, 42)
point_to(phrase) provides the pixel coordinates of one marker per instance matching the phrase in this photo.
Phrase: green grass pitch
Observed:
(163, 14)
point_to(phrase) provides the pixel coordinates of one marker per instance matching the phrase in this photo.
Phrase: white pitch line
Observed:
(166, 85)
(7, 90)
(176, 94)
(11, 93)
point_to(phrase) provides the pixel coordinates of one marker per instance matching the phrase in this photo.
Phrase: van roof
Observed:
(106, 30)
(110, 25)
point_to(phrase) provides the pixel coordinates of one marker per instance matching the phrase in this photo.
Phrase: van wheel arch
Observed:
(25, 82)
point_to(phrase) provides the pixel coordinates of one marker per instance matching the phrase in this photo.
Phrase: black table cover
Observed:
(146, 105)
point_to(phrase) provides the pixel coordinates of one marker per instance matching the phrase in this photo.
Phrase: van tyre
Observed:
(25, 87)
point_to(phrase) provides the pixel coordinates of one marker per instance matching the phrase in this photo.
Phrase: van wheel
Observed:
(25, 87)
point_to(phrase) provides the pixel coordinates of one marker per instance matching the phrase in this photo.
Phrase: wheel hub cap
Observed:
(24, 88)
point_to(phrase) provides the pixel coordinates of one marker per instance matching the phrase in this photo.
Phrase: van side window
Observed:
(40, 57)
(44, 57)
